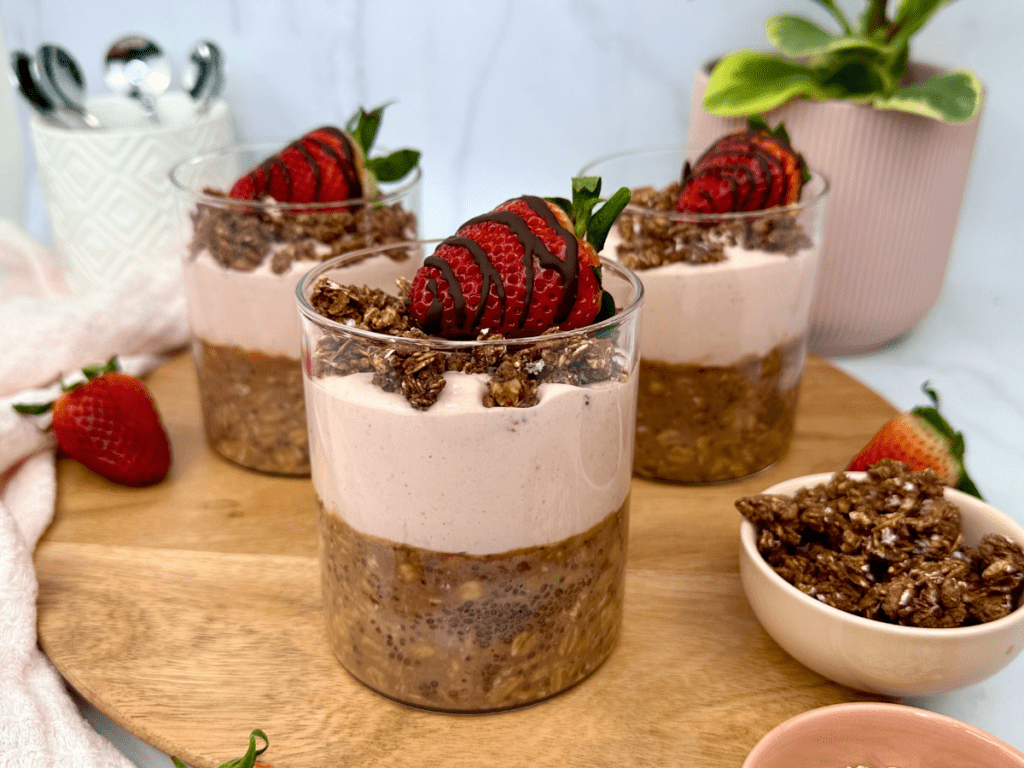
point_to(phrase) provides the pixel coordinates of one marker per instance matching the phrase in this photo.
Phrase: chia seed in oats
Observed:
(460, 632)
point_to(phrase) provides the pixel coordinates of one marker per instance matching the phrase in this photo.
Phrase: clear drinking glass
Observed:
(472, 557)
(242, 262)
(725, 322)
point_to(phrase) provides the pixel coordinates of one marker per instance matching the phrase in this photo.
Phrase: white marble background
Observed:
(509, 97)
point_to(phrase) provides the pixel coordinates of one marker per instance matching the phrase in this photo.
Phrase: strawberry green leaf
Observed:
(93, 371)
(586, 193)
(607, 307)
(602, 221)
(562, 203)
(954, 97)
(757, 123)
(954, 440)
(248, 760)
(364, 125)
(750, 83)
(394, 166)
(32, 409)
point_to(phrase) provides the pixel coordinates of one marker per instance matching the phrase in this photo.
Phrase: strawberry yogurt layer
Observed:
(472, 448)
(254, 310)
(250, 243)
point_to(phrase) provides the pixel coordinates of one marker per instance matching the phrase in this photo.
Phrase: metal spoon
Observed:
(136, 67)
(204, 77)
(23, 77)
(60, 77)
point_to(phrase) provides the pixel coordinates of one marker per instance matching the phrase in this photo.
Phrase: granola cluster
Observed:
(653, 240)
(887, 548)
(243, 238)
(516, 370)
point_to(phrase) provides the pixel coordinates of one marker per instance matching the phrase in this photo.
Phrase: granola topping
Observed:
(888, 548)
(244, 237)
(516, 370)
(652, 241)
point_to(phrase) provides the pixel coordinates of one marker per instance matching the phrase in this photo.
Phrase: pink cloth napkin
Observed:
(47, 334)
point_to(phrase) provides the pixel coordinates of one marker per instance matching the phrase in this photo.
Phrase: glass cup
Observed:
(472, 557)
(242, 262)
(725, 323)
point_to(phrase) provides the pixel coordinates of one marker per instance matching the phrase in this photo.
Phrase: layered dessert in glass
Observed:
(473, 493)
(728, 299)
(244, 256)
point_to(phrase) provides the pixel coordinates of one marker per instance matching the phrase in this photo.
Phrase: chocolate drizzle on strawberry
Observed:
(346, 162)
(533, 247)
(490, 277)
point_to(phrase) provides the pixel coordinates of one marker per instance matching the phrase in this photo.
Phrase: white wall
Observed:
(509, 97)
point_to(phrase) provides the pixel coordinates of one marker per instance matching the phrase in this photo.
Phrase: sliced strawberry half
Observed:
(525, 267)
(327, 165)
(763, 172)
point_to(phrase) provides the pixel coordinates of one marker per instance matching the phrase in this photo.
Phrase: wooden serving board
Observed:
(190, 613)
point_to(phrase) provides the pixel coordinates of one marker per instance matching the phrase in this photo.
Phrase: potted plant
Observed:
(895, 138)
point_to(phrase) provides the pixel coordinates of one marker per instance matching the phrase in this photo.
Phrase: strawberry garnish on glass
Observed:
(521, 269)
(110, 424)
(327, 165)
(921, 439)
(752, 169)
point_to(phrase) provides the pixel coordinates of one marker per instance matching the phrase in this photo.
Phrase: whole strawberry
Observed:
(752, 169)
(921, 439)
(110, 424)
(527, 266)
(327, 165)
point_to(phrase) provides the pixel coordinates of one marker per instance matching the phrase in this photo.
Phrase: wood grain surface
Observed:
(190, 613)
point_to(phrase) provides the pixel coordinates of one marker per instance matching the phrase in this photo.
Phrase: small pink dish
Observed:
(869, 734)
(875, 656)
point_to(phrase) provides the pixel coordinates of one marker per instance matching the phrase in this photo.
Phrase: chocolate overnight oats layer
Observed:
(472, 633)
(705, 424)
(253, 408)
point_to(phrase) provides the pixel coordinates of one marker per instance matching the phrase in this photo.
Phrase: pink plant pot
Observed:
(897, 184)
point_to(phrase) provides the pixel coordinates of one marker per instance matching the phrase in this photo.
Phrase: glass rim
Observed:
(699, 218)
(435, 343)
(270, 147)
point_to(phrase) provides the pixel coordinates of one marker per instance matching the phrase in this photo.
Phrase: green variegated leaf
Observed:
(748, 83)
(796, 36)
(914, 14)
(954, 97)
(837, 14)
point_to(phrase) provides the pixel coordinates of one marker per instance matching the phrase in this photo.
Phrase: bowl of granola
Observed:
(885, 581)
(867, 733)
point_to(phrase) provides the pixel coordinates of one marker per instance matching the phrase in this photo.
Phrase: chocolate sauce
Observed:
(533, 246)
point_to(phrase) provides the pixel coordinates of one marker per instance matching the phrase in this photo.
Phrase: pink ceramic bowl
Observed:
(879, 735)
(873, 655)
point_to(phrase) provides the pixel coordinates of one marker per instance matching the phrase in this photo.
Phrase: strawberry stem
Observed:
(590, 224)
(248, 760)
